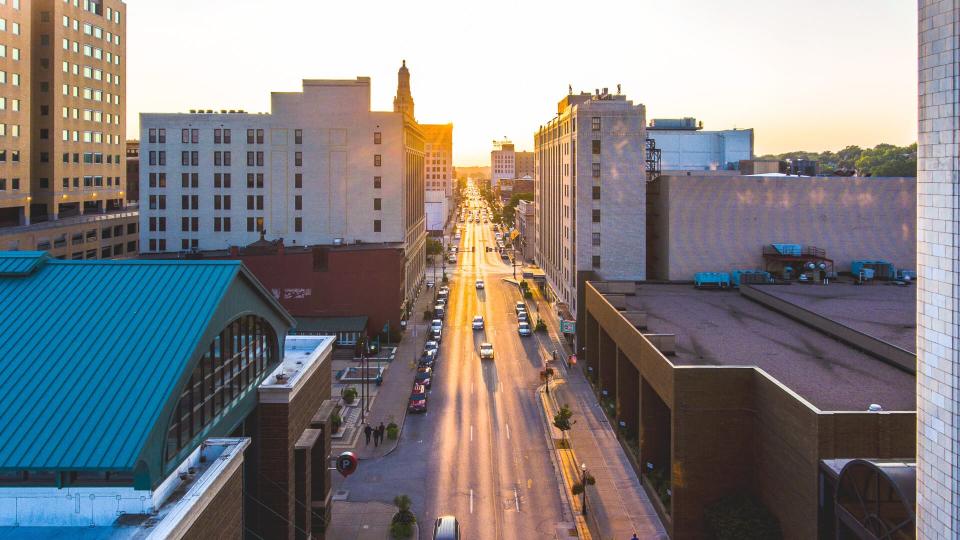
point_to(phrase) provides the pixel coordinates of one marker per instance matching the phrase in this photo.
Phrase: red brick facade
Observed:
(223, 517)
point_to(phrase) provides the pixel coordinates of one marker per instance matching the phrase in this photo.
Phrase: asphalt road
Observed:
(480, 452)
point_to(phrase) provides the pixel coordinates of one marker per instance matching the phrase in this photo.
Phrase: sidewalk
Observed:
(617, 505)
(362, 521)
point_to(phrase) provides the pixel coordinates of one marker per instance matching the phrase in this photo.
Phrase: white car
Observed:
(479, 283)
(436, 324)
(522, 316)
(524, 329)
(452, 259)
(478, 322)
(430, 284)
(486, 351)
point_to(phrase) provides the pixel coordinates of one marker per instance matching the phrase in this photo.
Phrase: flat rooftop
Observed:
(722, 328)
(880, 309)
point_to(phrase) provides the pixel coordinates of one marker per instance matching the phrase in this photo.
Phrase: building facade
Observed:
(438, 174)
(320, 169)
(62, 109)
(684, 146)
(590, 190)
(523, 164)
(938, 292)
(525, 223)
(110, 235)
(502, 162)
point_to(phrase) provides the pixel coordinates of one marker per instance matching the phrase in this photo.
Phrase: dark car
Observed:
(446, 528)
(428, 359)
(425, 376)
(418, 399)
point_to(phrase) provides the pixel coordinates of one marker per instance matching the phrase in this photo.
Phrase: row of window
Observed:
(220, 180)
(96, 137)
(90, 182)
(14, 78)
(14, 27)
(91, 94)
(220, 224)
(95, 7)
(14, 184)
(90, 158)
(191, 158)
(14, 52)
(89, 115)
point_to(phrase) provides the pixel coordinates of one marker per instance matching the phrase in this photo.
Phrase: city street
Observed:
(480, 452)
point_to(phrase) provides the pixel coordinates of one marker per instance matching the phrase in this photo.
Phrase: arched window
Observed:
(232, 365)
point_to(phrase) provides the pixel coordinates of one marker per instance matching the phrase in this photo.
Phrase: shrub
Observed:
(527, 294)
(393, 431)
(337, 421)
(403, 520)
(741, 517)
(349, 395)
(541, 326)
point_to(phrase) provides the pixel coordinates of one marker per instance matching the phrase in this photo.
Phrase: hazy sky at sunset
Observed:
(805, 74)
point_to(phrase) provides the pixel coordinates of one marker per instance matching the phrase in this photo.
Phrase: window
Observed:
(194, 158)
(226, 136)
(216, 224)
(596, 261)
(377, 137)
(595, 123)
(250, 136)
(596, 215)
(298, 159)
(217, 159)
(250, 159)
(194, 136)
(162, 136)
(217, 136)
(298, 136)
(250, 224)
(185, 136)
(596, 239)
(298, 224)
(259, 136)
(298, 202)
(596, 147)
(376, 225)
(596, 170)
(377, 204)
(377, 160)
(260, 159)
(377, 182)
(152, 137)
(226, 220)
(596, 193)
(298, 180)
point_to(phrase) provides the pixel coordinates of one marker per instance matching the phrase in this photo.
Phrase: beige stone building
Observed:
(110, 235)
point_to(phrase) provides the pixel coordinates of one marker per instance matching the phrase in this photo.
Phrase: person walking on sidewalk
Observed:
(634, 537)
(368, 431)
(382, 431)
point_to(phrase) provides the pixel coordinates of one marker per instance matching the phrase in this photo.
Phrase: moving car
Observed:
(418, 399)
(522, 316)
(479, 283)
(478, 322)
(486, 351)
(446, 528)
(424, 376)
(452, 259)
(520, 307)
(524, 329)
(430, 284)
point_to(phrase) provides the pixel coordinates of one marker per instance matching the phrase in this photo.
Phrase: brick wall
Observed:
(223, 517)
(702, 223)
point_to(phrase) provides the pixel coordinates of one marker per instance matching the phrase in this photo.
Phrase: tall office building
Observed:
(15, 56)
(438, 175)
(321, 169)
(78, 110)
(938, 267)
(590, 193)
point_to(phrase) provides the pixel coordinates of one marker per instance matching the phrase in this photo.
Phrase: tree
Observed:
(434, 247)
(881, 160)
(561, 421)
(403, 520)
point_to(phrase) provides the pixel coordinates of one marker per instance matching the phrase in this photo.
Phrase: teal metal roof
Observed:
(91, 351)
(331, 324)
(21, 263)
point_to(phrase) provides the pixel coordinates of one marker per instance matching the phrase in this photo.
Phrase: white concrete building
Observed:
(938, 271)
(438, 174)
(502, 162)
(590, 193)
(321, 168)
(684, 146)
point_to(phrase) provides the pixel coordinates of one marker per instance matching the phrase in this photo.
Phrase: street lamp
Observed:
(583, 484)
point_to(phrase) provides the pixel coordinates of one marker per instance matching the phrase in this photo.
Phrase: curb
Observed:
(558, 475)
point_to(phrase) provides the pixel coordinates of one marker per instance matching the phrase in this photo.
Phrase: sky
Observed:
(804, 74)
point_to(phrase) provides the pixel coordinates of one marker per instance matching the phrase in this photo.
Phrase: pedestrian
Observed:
(634, 537)
(382, 431)
(368, 431)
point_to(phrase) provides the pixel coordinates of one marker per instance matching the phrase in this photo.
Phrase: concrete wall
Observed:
(738, 429)
(702, 223)
(689, 150)
(938, 289)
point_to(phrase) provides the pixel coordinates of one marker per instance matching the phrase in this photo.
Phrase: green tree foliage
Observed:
(881, 160)
(509, 211)
(434, 247)
(561, 420)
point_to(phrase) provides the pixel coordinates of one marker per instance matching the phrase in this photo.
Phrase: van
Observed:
(446, 528)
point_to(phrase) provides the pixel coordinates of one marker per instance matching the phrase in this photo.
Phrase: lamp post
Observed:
(583, 484)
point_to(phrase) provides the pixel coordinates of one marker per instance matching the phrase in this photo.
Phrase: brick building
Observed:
(769, 391)
(184, 408)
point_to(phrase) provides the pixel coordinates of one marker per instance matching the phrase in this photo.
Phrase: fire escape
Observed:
(653, 160)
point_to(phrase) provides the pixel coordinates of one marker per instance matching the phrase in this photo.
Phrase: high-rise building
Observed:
(938, 270)
(321, 169)
(15, 103)
(523, 164)
(502, 162)
(78, 107)
(590, 193)
(438, 175)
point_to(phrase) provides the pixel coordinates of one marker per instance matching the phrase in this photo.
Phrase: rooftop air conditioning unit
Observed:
(338, 241)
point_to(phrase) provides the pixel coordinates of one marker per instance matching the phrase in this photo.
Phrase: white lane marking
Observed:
(516, 499)
(471, 433)
(471, 501)
(508, 432)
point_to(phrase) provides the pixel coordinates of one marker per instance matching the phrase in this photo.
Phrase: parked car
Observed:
(446, 528)
(520, 307)
(438, 310)
(478, 322)
(428, 358)
(443, 291)
(418, 399)
(486, 351)
(452, 259)
(431, 345)
(425, 376)
(524, 329)
(436, 334)
(479, 283)
(522, 316)
(430, 283)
